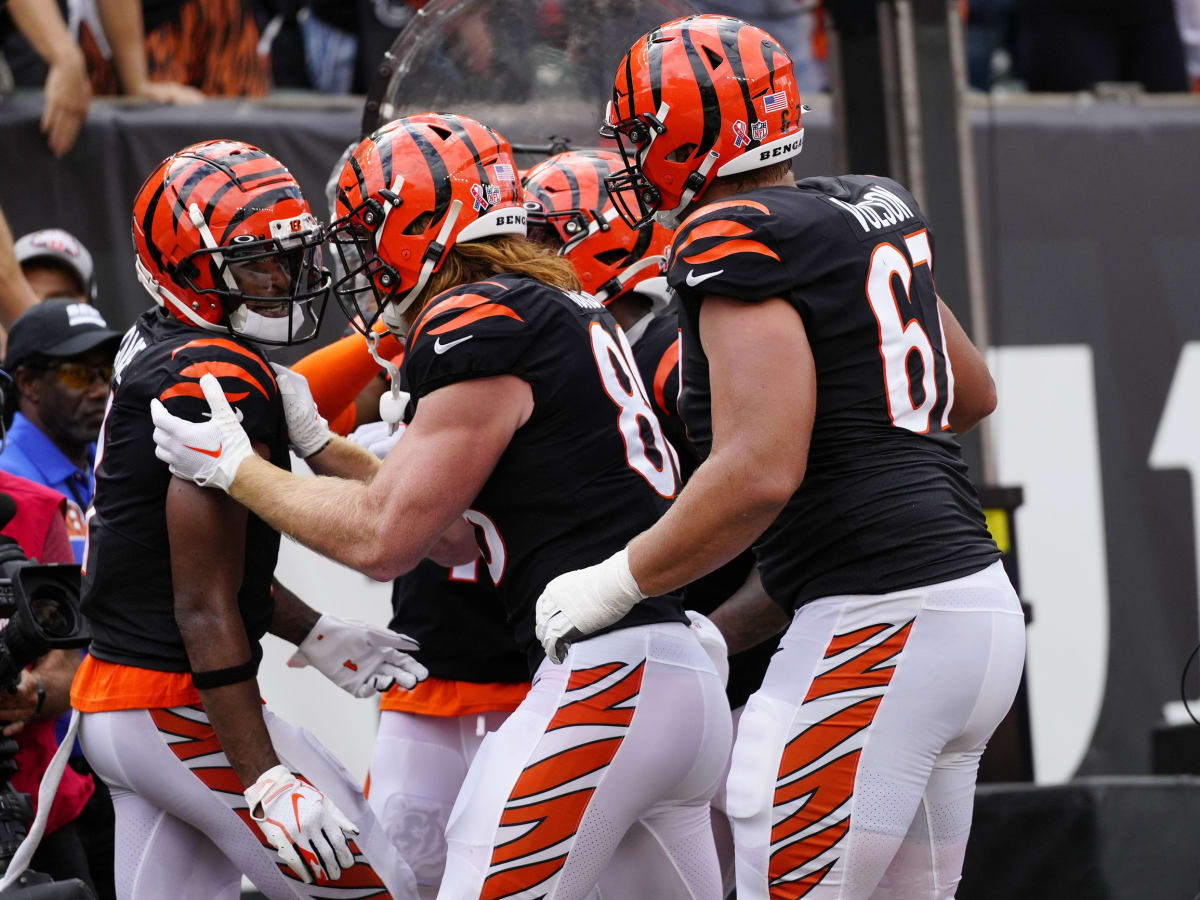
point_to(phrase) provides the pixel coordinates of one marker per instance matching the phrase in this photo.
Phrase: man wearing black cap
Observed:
(60, 356)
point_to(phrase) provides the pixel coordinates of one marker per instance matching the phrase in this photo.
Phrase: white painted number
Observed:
(497, 555)
(613, 353)
(898, 339)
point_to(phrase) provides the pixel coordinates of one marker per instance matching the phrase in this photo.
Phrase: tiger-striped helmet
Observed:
(569, 208)
(407, 195)
(225, 241)
(696, 99)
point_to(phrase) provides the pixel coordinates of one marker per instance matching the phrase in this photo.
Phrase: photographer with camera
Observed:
(35, 520)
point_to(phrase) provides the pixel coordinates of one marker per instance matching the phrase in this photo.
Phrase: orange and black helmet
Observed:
(225, 241)
(408, 194)
(696, 99)
(569, 208)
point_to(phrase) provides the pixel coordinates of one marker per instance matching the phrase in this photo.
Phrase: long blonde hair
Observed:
(505, 254)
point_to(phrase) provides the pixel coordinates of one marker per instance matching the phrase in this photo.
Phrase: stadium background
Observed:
(1090, 236)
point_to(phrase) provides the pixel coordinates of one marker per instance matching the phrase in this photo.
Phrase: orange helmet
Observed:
(696, 99)
(226, 242)
(409, 193)
(569, 207)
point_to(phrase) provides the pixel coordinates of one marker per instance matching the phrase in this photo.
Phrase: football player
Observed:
(428, 736)
(207, 784)
(825, 383)
(570, 210)
(529, 428)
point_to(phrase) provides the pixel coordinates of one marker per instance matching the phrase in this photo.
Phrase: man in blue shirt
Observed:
(60, 357)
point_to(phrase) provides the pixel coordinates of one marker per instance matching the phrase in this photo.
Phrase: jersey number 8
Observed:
(646, 447)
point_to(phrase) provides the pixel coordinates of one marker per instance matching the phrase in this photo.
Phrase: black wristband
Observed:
(206, 681)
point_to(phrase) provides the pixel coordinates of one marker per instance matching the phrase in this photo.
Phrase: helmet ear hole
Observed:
(419, 224)
(612, 257)
(682, 153)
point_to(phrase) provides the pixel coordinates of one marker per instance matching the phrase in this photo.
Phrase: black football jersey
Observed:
(459, 622)
(587, 472)
(656, 351)
(127, 590)
(886, 503)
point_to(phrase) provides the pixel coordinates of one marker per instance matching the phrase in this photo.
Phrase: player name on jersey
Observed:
(879, 208)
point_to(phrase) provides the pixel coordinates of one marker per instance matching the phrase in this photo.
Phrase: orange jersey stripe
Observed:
(486, 311)
(231, 346)
(224, 370)
(666, 366)
(193, 389)
(437, 307)
(443, 697)
(101, 686)
(729, 248)
(716, 229)
(724, 204)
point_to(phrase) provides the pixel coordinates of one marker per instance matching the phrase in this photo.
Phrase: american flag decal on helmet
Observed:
(775, 102)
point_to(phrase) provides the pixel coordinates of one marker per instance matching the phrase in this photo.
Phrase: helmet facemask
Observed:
(273, 289)
(371, 289)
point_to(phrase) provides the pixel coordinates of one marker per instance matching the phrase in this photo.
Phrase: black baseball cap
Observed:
(59, 327)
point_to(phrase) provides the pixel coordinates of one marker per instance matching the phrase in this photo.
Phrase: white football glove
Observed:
(359, 658)
(577, 603)
(207, 453)
(376, 437)
(302, 824)
(713, 642)
(308, 432)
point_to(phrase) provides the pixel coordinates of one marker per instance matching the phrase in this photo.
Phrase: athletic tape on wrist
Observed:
(215, 678)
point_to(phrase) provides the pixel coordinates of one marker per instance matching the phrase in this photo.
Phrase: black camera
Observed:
(41, 604)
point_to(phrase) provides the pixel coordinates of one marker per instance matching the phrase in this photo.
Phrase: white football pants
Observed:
(853, 775)
(183, 830)
(601, 777)
(417, 769)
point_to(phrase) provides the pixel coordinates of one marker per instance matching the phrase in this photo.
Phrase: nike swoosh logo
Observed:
(439, 348)
(296, 798)
(215, 454)
(692, 279)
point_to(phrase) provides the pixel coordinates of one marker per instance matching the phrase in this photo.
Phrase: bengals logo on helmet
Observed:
(569, 207)
(694, 100)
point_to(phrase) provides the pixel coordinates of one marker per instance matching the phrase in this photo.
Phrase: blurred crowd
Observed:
(181, 51)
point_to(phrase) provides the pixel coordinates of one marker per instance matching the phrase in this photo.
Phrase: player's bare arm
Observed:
(207, 535)
(292, 619)
(763, 402)
(974, 390)
(764, 395)
(345, 459)
(410, 510)
(749, 616)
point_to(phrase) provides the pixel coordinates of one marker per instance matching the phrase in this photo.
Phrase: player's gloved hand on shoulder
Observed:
(302, 824)
(359, 658)
(308, 432)
(207, 453)
(712, 641)
(577, 603)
